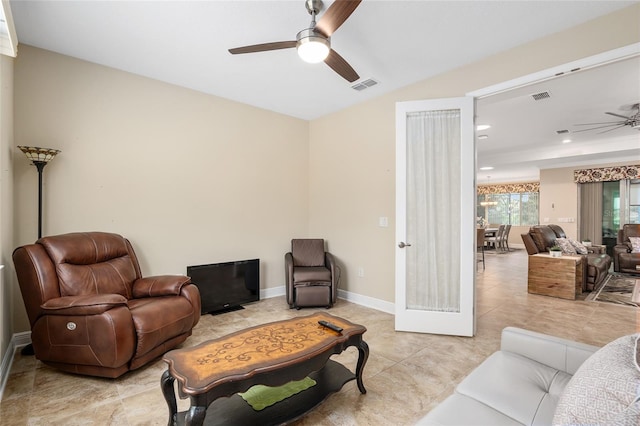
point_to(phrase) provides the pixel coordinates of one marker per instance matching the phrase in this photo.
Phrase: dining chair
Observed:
(480, 247)
(496, 240)
(505, 239)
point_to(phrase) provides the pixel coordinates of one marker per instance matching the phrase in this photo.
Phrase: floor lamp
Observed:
(39, 157)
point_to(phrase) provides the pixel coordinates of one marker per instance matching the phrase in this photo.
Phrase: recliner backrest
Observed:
(557, 229)
(543, 236)
(630, 230)
(92, 263)
(307, 252)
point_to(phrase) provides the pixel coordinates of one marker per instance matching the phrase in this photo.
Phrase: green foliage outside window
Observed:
(517, 209)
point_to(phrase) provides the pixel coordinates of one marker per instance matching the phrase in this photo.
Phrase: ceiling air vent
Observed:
(562, 132)
(364, 85)
(540, 96)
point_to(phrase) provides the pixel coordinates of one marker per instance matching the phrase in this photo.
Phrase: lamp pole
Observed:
(40, 166)
(39, 157)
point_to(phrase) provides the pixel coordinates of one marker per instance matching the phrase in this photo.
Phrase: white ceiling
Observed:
(523, 138)
(394, 42)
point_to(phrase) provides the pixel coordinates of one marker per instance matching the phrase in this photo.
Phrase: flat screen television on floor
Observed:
(226, 286)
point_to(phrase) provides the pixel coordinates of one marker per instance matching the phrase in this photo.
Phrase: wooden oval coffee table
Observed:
(271, 354)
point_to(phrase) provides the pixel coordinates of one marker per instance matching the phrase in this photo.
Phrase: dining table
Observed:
(490, 232)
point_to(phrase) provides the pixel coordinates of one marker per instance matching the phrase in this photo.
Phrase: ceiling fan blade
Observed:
(617, 115)
(339, 65)
(604, 122)
(610, 130)
(335, 16)
(599, 127)
(276, 45)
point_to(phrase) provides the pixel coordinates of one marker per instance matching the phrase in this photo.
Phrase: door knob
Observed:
(402, 244)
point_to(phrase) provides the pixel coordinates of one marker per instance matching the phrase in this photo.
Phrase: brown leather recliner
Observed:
(311, 274)
(90, 309)
(595, 265)
(623, 259)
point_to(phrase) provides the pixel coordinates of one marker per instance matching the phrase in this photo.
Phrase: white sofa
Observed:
(524, 382)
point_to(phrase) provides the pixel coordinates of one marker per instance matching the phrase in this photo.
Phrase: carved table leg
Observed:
(166, 384)
(363, 355)
(196, 415)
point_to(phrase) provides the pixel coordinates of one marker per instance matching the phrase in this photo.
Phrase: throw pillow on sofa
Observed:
(635, 244)
(566, 246)
(580, 248)
(606, 388)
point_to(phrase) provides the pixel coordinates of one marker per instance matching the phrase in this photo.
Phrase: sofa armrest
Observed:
(93, 304)
(562, 354)
(160, 285)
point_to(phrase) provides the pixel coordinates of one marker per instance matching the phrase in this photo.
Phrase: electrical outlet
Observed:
(360, 271)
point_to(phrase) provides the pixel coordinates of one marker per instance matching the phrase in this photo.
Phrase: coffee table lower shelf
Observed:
(236, 411)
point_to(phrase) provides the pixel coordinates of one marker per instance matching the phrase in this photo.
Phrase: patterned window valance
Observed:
(607, 174)
(509, 188)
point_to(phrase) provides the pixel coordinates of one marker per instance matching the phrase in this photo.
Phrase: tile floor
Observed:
(405, 376)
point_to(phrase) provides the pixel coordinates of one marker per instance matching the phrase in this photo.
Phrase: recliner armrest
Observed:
(561, 354)
(83, 305)
(623, 248)
(160, 285)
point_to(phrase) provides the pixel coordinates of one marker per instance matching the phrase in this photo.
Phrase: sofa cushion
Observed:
(520, 388)
(461, 410)
(635, 244)
(605, 389)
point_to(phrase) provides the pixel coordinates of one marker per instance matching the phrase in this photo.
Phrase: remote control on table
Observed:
(330, 325)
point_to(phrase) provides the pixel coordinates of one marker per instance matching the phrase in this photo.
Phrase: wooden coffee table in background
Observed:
(271, 354)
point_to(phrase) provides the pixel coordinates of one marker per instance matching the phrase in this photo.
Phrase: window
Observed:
(634, 201)
(516, 208)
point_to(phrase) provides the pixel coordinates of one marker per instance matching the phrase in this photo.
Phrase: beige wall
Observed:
(8, 298)
(559, 199)
(188, 178)
(352, 151)
(191, 178)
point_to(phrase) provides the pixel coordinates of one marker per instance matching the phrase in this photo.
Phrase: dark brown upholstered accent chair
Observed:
(311, 274)
(623, 259)
(90, 310)
(595, 265)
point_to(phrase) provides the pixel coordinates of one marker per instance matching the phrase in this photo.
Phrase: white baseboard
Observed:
(369, 302)
(18, 340)
(358, 299)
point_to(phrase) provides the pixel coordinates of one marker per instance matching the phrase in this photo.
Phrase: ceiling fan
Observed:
(632, 120)
(314, 43)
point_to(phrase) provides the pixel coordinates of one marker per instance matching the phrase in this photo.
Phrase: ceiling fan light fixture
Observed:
(312, 47)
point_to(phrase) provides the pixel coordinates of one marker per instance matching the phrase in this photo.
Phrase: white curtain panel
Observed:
(433, 206)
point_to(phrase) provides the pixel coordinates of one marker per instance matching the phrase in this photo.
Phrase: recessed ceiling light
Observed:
(486, 168)
(566, 141)
(483, 136)
(483, 127)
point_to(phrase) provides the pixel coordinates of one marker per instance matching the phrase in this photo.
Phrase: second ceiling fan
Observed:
(314, 43)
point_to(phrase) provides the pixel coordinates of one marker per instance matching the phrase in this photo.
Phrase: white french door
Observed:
(435, 216)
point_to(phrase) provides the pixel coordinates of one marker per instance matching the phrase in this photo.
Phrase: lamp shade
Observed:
(37, 154)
